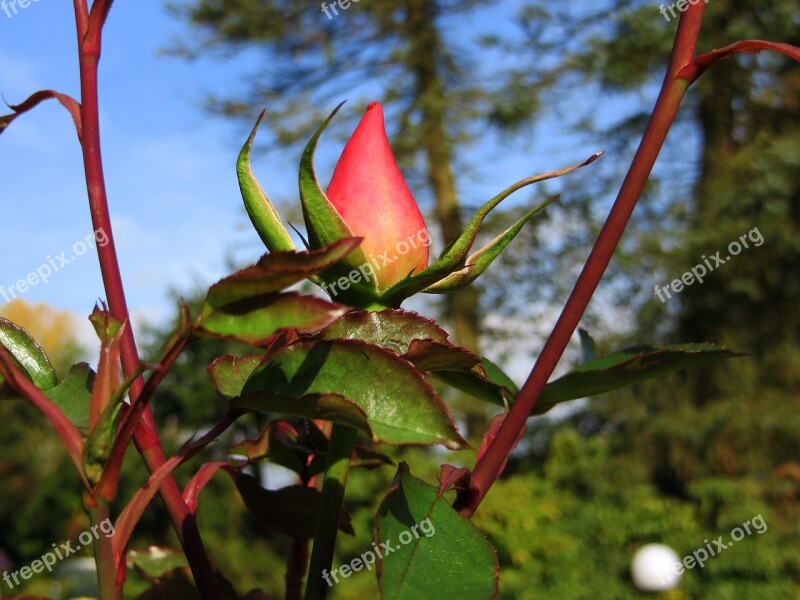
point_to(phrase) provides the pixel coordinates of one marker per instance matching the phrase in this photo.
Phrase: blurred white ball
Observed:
(653, 568)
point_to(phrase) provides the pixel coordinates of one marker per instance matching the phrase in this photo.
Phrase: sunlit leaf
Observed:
(74, 394)
(29, 356)
(436, 553)
(400, 406)
(624, 368)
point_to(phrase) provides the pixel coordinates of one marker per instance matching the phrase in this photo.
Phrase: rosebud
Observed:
(369, 193)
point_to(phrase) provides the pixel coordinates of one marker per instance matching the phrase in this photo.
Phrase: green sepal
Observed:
(454, 256)
(478, 262)
(265, 219)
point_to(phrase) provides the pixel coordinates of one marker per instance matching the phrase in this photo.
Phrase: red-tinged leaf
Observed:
(400, 406)
(436, 553)
(291, 511)
(394, 329)
(702, 63)
(428, 355)
(453, 478)
(491, 433)
(133, 511)
(488, 383)
(32, 101)
(280, 432)
(248, 306)
(256, 320)
(416, 338)
(107, 380)
(275, 272)
(191, 493)
(132, 414)
(230, 373)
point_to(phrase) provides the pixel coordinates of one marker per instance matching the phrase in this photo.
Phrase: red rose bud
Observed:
(369, 192)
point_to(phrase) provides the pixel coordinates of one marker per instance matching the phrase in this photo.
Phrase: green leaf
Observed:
(230, 373)
(478, 262)
(492, 386)
(414, 337)
(323, 221)
(275, 272)
(265, 219)
(394, 329)
(247, 306)
(624, 368)
(255, 320)
(437, 553)
(400, 407)
(29, 356)
(427, 355)
(73, 395)
(291, 511)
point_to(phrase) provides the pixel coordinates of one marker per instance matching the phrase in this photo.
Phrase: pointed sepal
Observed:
(478, 262)
(265, 219)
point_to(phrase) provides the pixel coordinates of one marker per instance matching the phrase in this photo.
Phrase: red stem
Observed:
(673, 88)
(296, 563)
(146, 436)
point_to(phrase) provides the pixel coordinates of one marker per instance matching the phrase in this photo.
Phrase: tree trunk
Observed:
(425, 53)
(425, 47)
